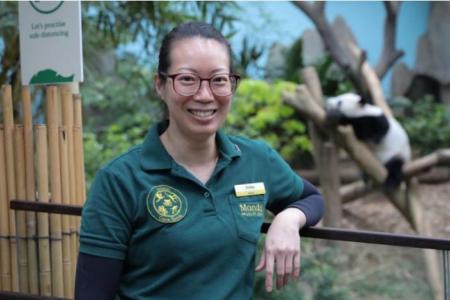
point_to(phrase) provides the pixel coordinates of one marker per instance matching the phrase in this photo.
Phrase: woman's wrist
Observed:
(295, 215)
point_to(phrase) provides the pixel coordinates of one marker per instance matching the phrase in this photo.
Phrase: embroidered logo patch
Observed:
(166, 204)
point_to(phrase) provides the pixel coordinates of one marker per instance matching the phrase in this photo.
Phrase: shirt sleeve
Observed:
(106, 221)
(97, 277)
(288, 189)
(311, 203)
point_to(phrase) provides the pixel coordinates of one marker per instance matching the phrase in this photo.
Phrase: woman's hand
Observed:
(281, 250)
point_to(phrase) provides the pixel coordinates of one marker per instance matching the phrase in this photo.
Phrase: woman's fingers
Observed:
(296, 273)
(269, 271)
(288, 267)
(262, 262)
(284, 263)
(280, 265)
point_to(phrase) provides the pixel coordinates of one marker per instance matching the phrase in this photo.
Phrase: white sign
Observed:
(50, 42)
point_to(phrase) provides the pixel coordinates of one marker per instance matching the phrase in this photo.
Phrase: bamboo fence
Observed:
(27, 117)
(45, 163)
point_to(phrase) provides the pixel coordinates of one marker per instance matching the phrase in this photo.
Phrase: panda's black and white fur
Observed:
(384, 135)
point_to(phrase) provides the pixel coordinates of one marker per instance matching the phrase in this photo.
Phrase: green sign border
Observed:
(46, 12)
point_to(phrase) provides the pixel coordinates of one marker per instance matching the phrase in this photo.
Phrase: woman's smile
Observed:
(203, 113)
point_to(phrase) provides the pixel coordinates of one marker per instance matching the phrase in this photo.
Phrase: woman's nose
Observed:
(204, 92)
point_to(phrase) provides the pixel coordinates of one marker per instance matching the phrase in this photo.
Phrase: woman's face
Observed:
(201, 115)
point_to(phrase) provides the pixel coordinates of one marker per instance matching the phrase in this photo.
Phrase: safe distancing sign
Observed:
(50, 42)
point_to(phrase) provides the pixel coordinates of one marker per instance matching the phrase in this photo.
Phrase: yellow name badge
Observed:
(250, 189)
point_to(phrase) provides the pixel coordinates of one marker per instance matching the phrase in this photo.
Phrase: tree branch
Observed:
(358, 189)
(316, 12)
(348, 57)
(389, 55)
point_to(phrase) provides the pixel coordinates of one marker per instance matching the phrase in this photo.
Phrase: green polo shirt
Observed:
(180, 238)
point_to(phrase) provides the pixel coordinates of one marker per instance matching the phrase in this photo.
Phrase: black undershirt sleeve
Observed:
(97, 278)
(311, 203)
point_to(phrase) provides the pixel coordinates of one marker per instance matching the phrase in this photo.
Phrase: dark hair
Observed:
(187, 30)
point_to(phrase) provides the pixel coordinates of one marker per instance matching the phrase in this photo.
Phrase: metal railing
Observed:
(334, 234)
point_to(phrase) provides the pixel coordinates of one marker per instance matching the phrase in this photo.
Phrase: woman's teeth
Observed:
(202, 113)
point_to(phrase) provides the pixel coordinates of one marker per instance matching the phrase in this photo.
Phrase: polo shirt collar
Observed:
(155, 157)
(227, 148)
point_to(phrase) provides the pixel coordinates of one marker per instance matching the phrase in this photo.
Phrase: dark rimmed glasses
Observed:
(188, 84)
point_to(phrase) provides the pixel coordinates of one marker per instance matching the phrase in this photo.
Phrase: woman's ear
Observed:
(159, 85)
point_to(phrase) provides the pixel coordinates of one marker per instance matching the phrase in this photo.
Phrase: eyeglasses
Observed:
(188, 84)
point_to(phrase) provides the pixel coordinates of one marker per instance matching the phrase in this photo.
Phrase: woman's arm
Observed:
(97, 277)
(311, 203)
(281, 253)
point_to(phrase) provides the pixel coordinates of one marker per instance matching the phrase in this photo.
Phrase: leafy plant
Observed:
(427, 124)
(113, 141)
(258, 112)
(333, 80)
(294, 61)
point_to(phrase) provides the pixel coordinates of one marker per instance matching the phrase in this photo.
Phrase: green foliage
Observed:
(9, 42)
(333, 80)
(124, 22)
(294, 61)
(247, 57)
(427, 125)
(114, 98)
(115, 140)
(258, 112)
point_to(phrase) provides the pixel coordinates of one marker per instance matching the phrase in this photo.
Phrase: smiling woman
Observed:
(196, 109)
(179, 216)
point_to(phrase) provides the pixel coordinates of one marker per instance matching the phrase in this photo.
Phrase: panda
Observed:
(383, 135)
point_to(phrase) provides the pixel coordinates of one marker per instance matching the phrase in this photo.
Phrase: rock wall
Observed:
(432, 59)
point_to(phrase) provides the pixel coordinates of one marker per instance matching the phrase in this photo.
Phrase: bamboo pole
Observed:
(80, 184)
(68, 115)
(55, 188)
(78, 122)
(8, 120)
(67, 260)
(30, 190)
(20, 215)
(3, 199)
(45, 282)
(5, 256)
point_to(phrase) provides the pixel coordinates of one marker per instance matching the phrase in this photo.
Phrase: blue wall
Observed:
(279, 21)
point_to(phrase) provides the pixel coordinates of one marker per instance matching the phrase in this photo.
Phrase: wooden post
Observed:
(67, 261)
(68, 115)
(8, 120)
(5, 255)
(55, 188)
(45, 282)
(421, 223)
(19, 155)
(326, 157)
(330, 183)
(30, 190)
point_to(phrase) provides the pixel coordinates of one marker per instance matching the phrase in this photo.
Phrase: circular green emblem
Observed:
(166, 204)
(46, 7)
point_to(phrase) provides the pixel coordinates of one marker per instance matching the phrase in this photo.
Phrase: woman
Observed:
(179, 216)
